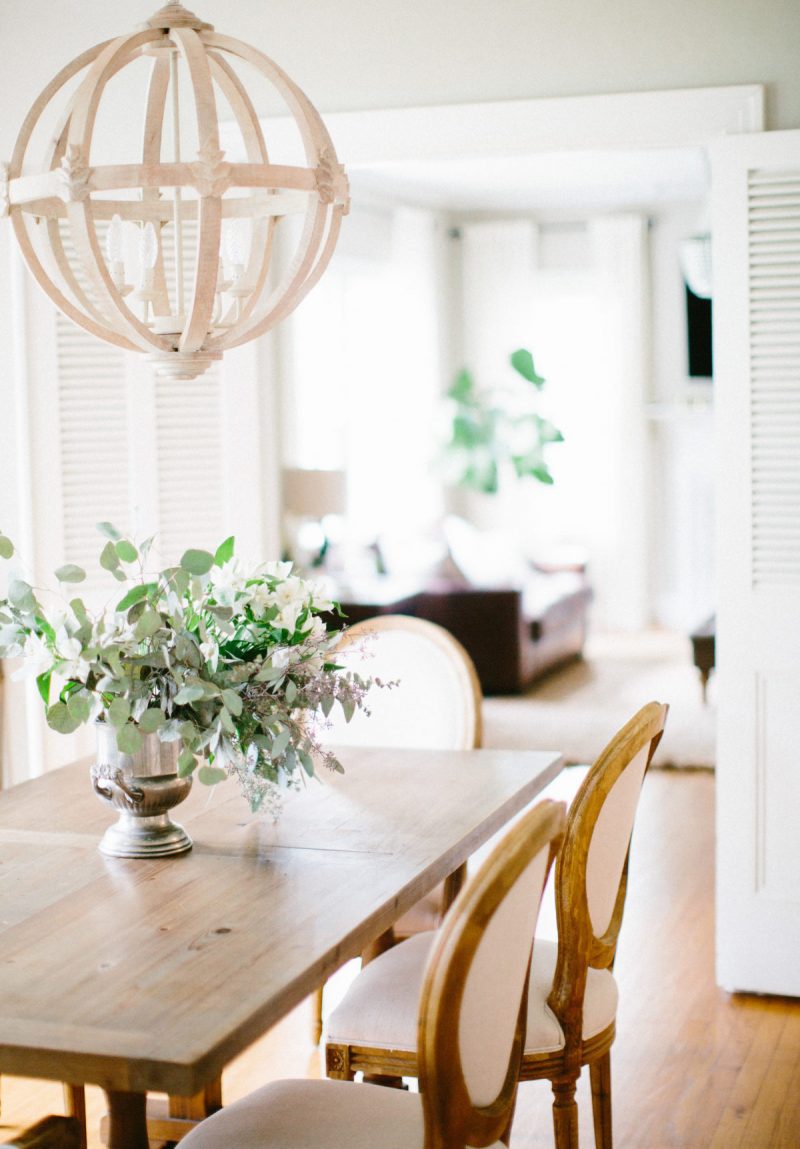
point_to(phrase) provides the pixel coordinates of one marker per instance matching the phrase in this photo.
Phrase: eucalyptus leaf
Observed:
(109, 530)
(109, 559)
(307, 762)
(224, 552)
(291, 691)
(78, 608)
(119, 712)
(211, 775)
(129, 740)
(226, 721)
(326, 704)
(43, 686)
(6, 547)
(186, 763)
(70, 573)
(197, 562)
(280, 742)
(126, 551)
(148, 624)
(79, 707)
(151, 720)
(135, 594)
(188, 694)
(233, 702)
(20, 595)
(60, 719)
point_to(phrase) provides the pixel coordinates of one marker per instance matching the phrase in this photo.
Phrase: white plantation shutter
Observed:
(190, 464)
(774, 273)
(93, 444)
(756, 235)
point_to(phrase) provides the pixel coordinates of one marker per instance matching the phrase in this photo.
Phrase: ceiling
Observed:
(555, 183)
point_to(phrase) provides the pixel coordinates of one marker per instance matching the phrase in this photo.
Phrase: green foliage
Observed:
(493, 431)
(234, 664)
(70, 573)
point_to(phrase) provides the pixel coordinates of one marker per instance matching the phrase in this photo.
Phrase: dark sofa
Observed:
(513, 635)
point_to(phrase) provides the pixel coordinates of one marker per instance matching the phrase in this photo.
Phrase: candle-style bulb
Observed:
(148, 247)
(114, 240)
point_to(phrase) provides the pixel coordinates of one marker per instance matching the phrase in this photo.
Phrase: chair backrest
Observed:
(474, 998)
(436, 703)
(592, 869)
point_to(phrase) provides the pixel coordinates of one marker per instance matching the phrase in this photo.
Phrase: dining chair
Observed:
(471, 1026)
(572, 997)
(435, 704)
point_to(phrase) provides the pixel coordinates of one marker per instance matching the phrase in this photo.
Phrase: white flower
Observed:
(12, 639)
(320, 595)
(38, 658)
(229, 583)
(210, 652)
(280, 570)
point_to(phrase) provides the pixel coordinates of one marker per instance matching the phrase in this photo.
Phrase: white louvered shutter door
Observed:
(93, 445)
(756, 230)
(190, 464)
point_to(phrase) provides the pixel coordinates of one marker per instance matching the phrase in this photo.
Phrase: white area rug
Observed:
(578, 709)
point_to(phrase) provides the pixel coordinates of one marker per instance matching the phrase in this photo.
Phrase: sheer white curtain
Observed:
(363, 374)
(578, 298)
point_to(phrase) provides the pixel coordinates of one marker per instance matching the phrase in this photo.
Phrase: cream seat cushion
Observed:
(381, 1007)
(316, 1115)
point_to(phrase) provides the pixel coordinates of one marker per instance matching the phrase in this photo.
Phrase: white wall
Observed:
(380, 53)
(681, 440)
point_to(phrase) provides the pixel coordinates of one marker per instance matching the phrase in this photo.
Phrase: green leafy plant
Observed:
(497, 429)
(234, 662)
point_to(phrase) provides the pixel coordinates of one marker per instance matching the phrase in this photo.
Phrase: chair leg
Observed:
(565, 1113)
(337, 1063)
(75, 1105)
(316, 1015)
(600, 1075)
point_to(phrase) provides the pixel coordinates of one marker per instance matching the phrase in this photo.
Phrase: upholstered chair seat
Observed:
(380, 1009)
(317, 1115)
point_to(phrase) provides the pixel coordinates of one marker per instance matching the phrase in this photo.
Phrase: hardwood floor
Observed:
(693, 1067)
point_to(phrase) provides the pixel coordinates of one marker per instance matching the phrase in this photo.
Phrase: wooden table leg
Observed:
(127, 1120)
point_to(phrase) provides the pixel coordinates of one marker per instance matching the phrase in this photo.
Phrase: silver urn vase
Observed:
(143, 787)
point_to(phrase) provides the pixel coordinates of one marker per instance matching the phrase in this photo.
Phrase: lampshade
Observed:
(170, 252)
(314, 493)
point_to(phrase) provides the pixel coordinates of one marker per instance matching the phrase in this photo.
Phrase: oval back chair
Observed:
(436, 702)
(471, 1020)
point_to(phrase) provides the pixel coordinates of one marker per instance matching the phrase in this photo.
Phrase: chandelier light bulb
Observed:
(114, 240)
(193, 207)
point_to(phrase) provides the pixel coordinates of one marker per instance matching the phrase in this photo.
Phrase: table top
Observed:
(152, 975)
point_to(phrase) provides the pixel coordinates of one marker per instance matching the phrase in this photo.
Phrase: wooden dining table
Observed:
(152, 975)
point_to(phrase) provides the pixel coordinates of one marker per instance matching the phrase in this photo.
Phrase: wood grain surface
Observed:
(151, 975)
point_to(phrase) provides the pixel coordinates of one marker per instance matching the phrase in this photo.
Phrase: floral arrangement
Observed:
(234, 662)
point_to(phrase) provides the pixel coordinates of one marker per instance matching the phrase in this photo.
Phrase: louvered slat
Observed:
(93, 441)
(190, 462)
(774, 266)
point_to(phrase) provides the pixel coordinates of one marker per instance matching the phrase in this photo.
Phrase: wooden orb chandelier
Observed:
(171, 253)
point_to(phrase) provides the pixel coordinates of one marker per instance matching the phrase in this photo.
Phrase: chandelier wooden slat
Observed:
(195, 230)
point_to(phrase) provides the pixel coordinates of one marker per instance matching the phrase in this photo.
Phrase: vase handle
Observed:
(114, 777)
